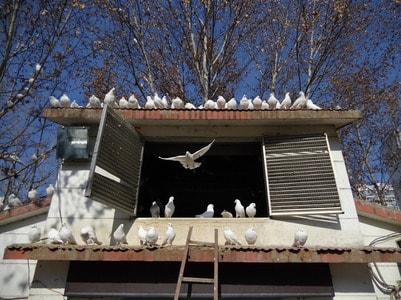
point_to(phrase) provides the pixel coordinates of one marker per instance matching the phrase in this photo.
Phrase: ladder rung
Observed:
(198, 279)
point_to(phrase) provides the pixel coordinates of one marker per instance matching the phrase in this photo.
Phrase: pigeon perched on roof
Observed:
(141, 235)
(155, 210)
(251, 210)
(53, 236)
(158, 101)
(177, 103)
(170, 235)
(34, 234)
(123, 103)
(300, 102)
(265, 105)
(208, 213)
(88, 235)
(286, 103)
(94, 102)
(2, 204)
(226, 214)
(169, 208)
(300, 238)
(150, 103)
(231, 238)
(110, 98)
(189, 105)
(13, 201)
(66, 235)
(221, 102)
(133, 102)
(74, 104)
(65, 101)
(151, 236)
(244, 103)
(188, 159)
(239, 209)
(54, 102)
(273, 102)
(50, 191)
(119, 235)
(257, 102)
(251, 236)
(210, 104)
(311, 105)
(34, 196)
(232, 104)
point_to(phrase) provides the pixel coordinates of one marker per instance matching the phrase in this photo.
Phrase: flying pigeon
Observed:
(88, 235)
(119, 235)
(13, 201)
(170, 235)
(151, 236)
(239, 209)
(34, 196)
(141, 235)
(34, 234)
(155, 210)
(169, 208)
(54, 236)
(300, 238)
(65, 101)
(230, 237)
(54, 102)
(94, 102)
(221, 102)
(251, 236)
(226, 214)
(272, 101)
(66, 235)
(251, 210)
(208, 213)
(50, 191)
(133, 102)
(286, 103)
(188, 159)
(110, 98)
(300, 102)
(257, 103)
(232, 104)
(177, 103)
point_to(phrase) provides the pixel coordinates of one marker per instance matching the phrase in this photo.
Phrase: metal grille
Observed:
(116, 164)
(299, 175)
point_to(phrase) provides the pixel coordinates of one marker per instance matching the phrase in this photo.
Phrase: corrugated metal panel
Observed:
(299, 174)
(116, 164)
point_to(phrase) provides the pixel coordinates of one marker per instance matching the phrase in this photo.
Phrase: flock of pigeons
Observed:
(157, 102)
(33, 196)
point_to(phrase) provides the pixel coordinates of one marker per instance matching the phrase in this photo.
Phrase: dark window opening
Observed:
(229, 171)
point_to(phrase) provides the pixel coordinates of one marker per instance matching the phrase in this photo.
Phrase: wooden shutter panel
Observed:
(299, 175)
(116, 163)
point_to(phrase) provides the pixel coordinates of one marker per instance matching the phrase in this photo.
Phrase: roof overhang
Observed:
(244, 254)
(378, 212)
(24, 211)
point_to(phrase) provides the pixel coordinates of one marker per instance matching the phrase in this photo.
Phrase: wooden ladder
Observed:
(214, 280)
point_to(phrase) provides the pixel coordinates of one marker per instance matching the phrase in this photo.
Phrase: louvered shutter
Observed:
(116, 163)
(299, 175)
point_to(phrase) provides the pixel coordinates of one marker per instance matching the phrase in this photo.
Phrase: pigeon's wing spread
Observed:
(180, 158)
(202, 151)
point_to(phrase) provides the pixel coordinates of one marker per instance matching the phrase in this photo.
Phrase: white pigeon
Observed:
(165, 102)
(250, 104)
(300, 102)
(13, 201)
(50, 191)
(94, 102)
(286, 103)
(65, 101)
(150, 103)
(300, 238)
(311, 105)
(155, 210)
(239, 209)
(226, 214)
(244, 103)
(34, 234)
(169, 208)
(265, 105)
(257, 103)
(123, 103)
(210, 104)
(66, 235)
(273, 102)
(158, 101)
(88, 235)
(54, 102)
(208, 213)
(151, 236)
(189, 105)
(251, 210)
(231, 238)
(221, 102)
(232, 104)
(110, 98)
(74, 104)
(177, 103)
(54, 236)
(251, 236)
(2, 204)
(34, 196)
(133, 102)
(119, 235)
(188, 159)
(141, 235)
(170, 235)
